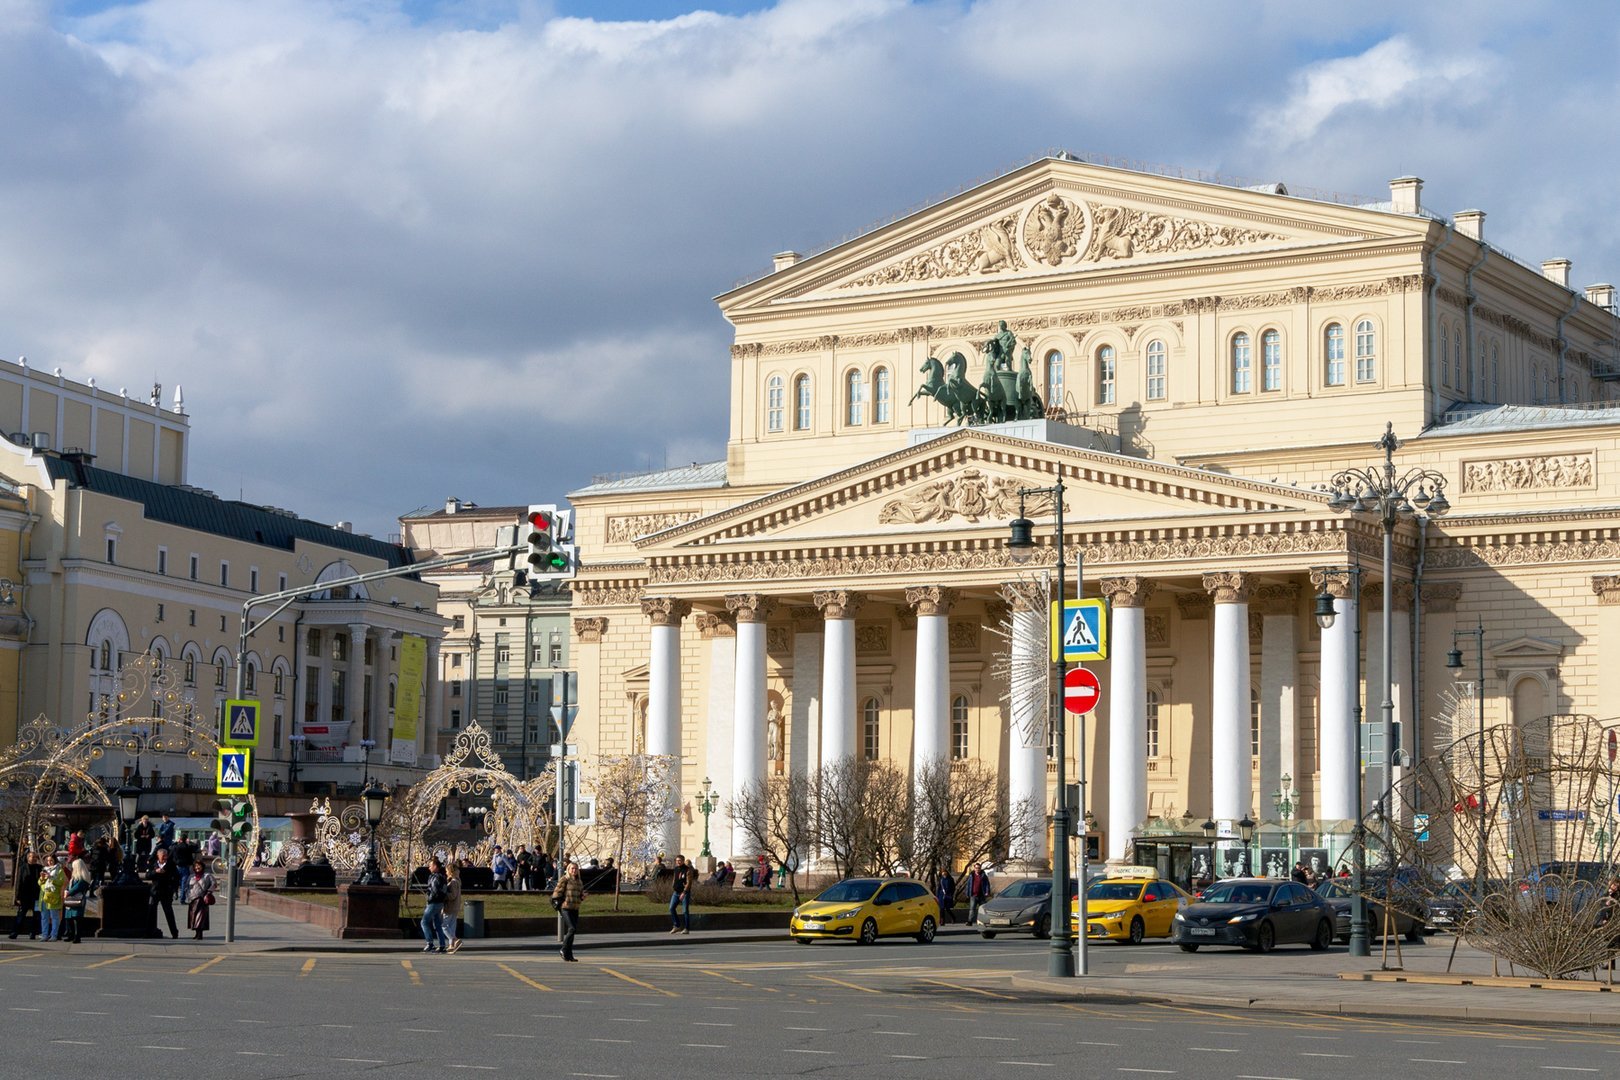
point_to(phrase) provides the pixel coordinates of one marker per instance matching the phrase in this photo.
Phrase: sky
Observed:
(402, 250)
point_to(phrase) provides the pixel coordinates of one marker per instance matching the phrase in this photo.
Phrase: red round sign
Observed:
(1081, 691)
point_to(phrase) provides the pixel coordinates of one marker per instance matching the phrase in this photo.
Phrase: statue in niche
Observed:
(773, 737)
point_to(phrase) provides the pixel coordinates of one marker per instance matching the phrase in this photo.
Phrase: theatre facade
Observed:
(1201, 359)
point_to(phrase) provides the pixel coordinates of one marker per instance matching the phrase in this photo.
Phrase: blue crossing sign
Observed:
(1080, 631)
(241, 723)
(233, 773)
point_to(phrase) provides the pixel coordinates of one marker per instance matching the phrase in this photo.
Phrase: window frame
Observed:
(1366, 359)
(1056, 374)
(960, 713)
(1333, 368)
(775, 404)
(1107, 358)
(1156, 365)
(1240, 357)
(882, 394)
(854, 398)
(803, 403)
(871, 729)
(1271, 361)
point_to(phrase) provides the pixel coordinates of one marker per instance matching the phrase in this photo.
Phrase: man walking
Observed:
(165, 884)
(25, 894)
(680, 896)
(567, 896)
(978, 891)
(433, 909)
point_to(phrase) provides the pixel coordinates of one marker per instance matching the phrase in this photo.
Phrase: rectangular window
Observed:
(191, 671)
(533, 696)
(455, 719)
(556, 654)
(455, 687)
(112, 550)
(275, 733)
(458, 622)
(882, 394)
(500, 736)
(500, 695)
(194, 565)
(455, 660)
(340, 686)
(959, 741)
(163, 560)
(225, 573)
(160, 613)
(774, 402)
(281, 582)
(538, 655)
(1106, 370)
(222, 624)
(1366, 358)
(1242, 375)
(253, 579)
(219, 674)
(280, 684)
(503, 654)
(1152, 724)
(312, 694)
(1155, 371)
(1271, 366)
(192, 616)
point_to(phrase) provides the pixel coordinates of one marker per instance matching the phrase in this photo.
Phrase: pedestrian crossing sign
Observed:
(241, 723)
(1080, 631)
(231, 778)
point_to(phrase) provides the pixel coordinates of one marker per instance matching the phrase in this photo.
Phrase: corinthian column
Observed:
(838, 608)
(1231, 790)
(1337, 737)
(1127, 712)
(931, 715)
(748, 709)
(664, 696)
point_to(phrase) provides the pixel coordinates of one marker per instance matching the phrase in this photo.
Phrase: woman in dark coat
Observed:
(25, 895)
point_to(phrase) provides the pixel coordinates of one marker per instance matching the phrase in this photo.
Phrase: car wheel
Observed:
(1324, 936)
(988, 935)
(1044, 927)
(868, 931)
(1415, 934)
(1265, 937)
(802, 940)
(1138, 931)
(926, 934)
(1189, 948)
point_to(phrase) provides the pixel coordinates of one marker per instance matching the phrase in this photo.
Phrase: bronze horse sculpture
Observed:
(1001, 395)
(960, 397)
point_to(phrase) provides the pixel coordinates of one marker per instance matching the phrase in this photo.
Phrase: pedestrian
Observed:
(165, 830)
(52, 887)
(542, 870)
(978, 888)
(79, 883)
(566, 898)
(165, 884)
(433, 910)
(184, 854)
(945, 891)
(681, 883)
(525, 867)
(76, 846)
(100, 861)
(144, 834)
(25, 894)
(452, 905)
(762, 871)
(1302, 873)
(497, 867)
(201, 891)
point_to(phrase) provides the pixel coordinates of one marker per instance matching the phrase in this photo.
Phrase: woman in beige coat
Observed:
(452, 905)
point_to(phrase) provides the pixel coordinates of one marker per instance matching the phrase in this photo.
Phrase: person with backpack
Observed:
(498, 869)
(433, 910)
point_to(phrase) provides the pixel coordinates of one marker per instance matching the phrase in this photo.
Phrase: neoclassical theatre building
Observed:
(1206, 357)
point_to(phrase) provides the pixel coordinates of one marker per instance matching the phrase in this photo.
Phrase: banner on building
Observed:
(408, 700)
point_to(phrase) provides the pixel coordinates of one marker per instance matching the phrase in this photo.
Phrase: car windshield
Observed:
(1237, 893)
(1021, 890)
(1114, 890)
(857, 891)
(1333, 889)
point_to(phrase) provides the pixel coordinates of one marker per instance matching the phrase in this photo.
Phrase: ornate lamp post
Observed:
(1325, 616)
(129, 808)
(707, 803)
(375, 797)
(366, 746)
(1061, 961)
(1455, 663)
(1285, 800)
(1246, 834)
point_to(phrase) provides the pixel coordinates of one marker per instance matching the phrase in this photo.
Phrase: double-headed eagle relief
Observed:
(1003, 391)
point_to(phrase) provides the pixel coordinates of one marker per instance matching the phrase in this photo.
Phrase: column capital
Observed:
(1372, 596)
(1607, 588)
(665, 610)
(1335, 582)
(838, 603)
(931, 599)
(1129, 592)
(1227, 587)
(1442, 596)
(1025, 596)
(590, 628)
(1276, 599)
(712, 624)
(750, 607)
(1192, 605)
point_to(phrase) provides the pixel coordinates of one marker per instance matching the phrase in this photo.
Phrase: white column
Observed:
(931, 704)
(1230, 784)
(1028, 719)
(1378, 779)
(721, 639)
(355, 698)
(748, 708)
(838, 719)
(1127, 713)
(805, 704)
(664, 699)
(1336, 735)
(1279, 696)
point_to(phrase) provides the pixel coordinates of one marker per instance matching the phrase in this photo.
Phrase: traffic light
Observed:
(548, 533)
(231, 821)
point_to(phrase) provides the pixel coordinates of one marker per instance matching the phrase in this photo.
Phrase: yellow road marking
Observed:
(205, 965)
(969, 989)
(114, 960)
(309, 966)
(416, 977)
(30, 956)
(638, 982)
(522, 978)
(849, 985)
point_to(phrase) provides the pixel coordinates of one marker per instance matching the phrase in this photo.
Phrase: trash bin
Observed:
(472, 913)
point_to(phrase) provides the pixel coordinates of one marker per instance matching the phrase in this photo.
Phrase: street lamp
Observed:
(366, 746)
(375, 797)
(297, 742)
(1285, 800)
(1326, 614)
(476, 815)
(1455, 663)
(707, 803)
(1246, 834)
(1061, 961)
(129, 808)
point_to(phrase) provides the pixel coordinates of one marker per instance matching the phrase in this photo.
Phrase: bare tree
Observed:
(633, 802)
(958, 816)
(862, 816)
(775, 817)
(886, 819)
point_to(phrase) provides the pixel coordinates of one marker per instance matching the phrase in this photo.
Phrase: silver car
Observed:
(1024, 907)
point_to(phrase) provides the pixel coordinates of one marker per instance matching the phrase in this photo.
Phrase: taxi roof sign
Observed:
(1136, 873)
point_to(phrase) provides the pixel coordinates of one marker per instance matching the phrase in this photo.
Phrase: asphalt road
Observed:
(704, 1010)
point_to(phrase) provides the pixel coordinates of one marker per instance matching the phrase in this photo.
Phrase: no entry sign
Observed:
(1081, 691)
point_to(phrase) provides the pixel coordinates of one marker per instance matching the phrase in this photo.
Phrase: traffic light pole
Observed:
(283, 599)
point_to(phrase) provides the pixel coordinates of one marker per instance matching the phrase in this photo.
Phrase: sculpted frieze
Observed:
(1119, 232)
(603, 596)
(970, 495)
(1525, 554)
(626, 528)
(1054, 229)
(987, 249)
(1528, 473)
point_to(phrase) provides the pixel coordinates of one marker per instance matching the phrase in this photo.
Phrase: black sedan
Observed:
(1025, 906)
(1255, 913)
(1341, 898)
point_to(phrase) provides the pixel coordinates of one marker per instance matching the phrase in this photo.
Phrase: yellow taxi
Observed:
(1130, 904)
(865, 909)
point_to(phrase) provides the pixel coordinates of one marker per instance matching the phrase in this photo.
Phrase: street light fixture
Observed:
(129, 808)
(1285, 800)
(1455, 663)
(1325, 616)
(708, 801)
(1246, 834)
(1062, 961)
(366, 746)
(375, 797)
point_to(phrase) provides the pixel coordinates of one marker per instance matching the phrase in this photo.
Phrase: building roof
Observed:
(707, 474)
(1495, 419)
(472, 510)
(190, 508)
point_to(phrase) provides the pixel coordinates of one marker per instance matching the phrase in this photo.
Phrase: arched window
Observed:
(959, 728)
(1155, 371)
(775, 402)
(855, 398)
(1271, 360)
(1106, 371)
(1242, 370)
(1333, 356)
(801, 403)
(1054, 380)
(882, 396)
(1152, 723)
(250, 676)
(1254, 723)
(869, 729)
(1366, 351)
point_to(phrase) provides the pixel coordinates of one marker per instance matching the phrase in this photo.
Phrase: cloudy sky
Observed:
(397, 250)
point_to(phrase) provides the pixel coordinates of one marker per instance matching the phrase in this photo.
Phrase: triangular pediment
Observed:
(1526, 648)
(1061, 217)
(969, 482)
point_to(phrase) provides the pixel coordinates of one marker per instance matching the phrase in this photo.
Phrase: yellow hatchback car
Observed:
(865, 909)
(1129, 906)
